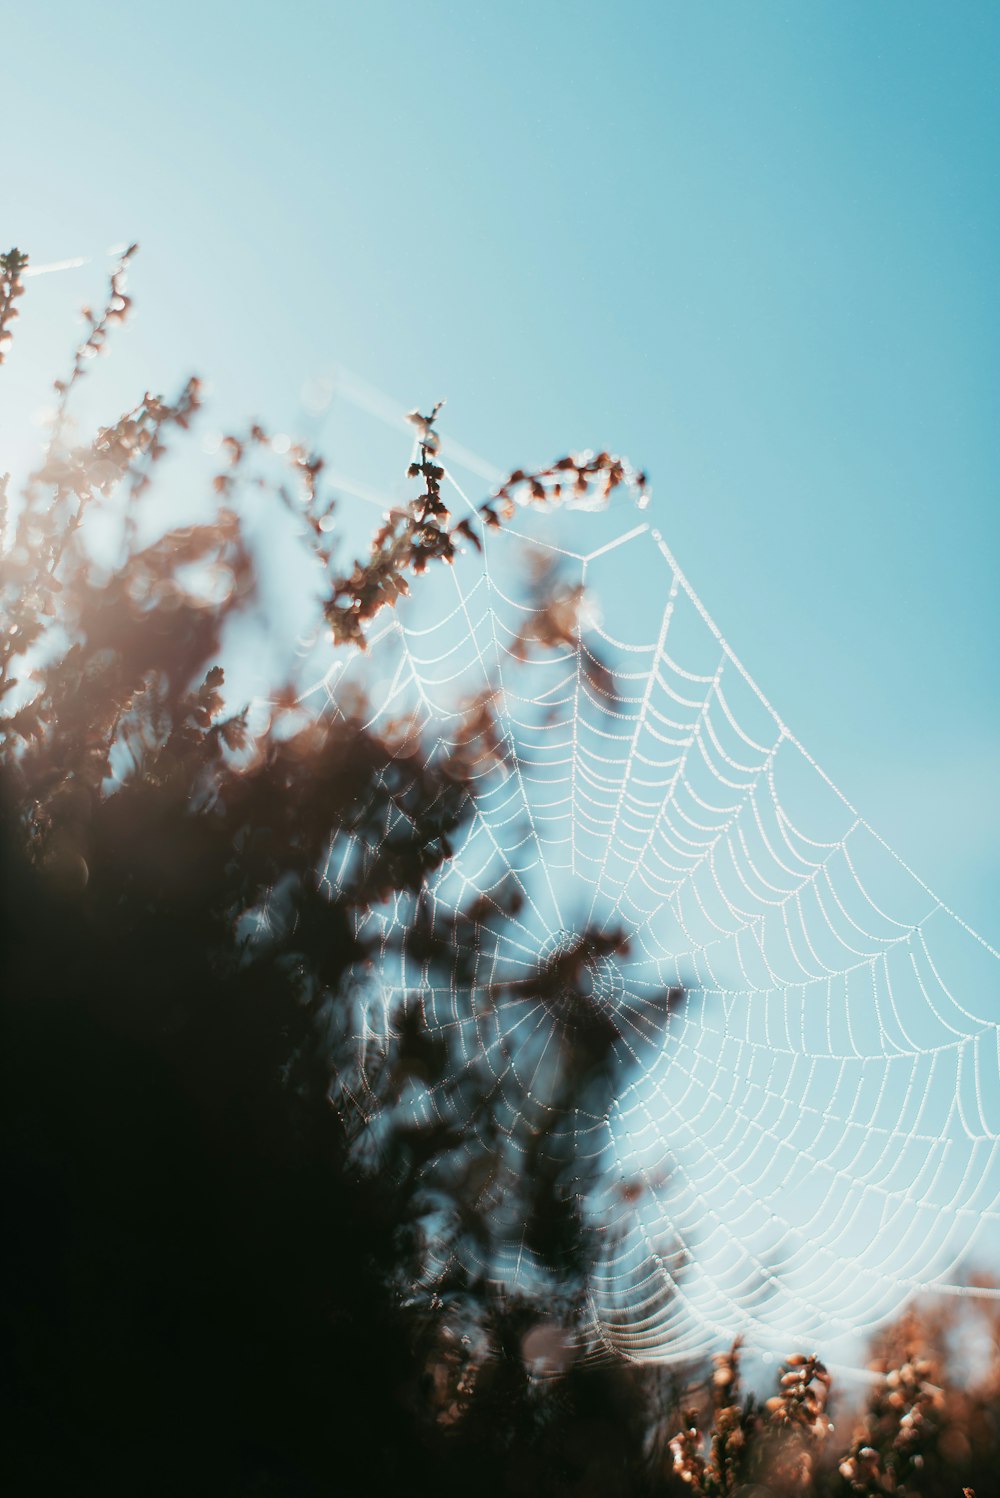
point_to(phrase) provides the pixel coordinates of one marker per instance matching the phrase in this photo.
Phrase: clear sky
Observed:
(752, 246)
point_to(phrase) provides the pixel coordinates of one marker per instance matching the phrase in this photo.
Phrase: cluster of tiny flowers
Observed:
(99, 326)
(12, 267)
(775, 1443)
(900, 1421)
(686, 1450)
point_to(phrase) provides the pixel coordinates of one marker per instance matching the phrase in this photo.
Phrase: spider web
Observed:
(810, 1135)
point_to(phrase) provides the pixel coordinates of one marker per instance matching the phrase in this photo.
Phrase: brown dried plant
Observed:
(13, 264)
(742, 1442)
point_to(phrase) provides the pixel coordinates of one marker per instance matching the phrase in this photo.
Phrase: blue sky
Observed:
(752, 246)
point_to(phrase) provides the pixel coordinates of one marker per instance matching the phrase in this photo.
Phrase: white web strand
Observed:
(813, 1134)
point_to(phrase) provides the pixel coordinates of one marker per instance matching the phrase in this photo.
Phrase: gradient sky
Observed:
(752, 246)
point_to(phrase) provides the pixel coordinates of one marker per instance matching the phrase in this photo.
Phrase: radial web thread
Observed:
(811, 1135)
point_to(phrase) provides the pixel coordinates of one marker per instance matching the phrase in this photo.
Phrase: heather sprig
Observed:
(13, 264)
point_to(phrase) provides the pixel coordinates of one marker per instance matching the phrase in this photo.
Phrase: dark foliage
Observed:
(209, 1286)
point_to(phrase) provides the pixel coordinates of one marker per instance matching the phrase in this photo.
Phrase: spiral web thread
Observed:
(811, 1136)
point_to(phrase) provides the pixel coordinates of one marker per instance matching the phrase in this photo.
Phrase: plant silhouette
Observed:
(211, 1280)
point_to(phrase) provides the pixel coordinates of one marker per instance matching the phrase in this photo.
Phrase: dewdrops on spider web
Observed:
(799, 1124)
